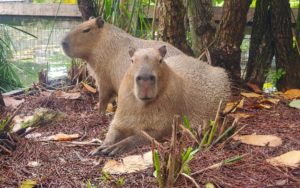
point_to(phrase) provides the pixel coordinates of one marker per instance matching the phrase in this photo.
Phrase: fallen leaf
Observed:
(110, 108)
(89, 88)
(251, 95)
(62, 94)
(230, 105)
(28, 183)
(33, 164)
(292, 94)
(295, 103)
(33, 135)
(259, 140)
(62, 137)
(270, 101)
(19, 120)
(289, 159)
(129, 164)
(241, 115)
(254, 87)
(11, 102)
(263, 106)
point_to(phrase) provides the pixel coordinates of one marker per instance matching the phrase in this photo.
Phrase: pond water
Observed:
(44, 52)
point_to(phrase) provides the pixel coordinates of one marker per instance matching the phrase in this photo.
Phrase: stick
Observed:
(191, 179)
(151, 139)
(172, 155)
(189, 133)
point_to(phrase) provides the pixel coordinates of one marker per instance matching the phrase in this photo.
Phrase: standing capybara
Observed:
(105, 49)
(154, 89)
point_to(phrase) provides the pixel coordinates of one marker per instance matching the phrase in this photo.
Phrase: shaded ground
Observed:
(63, 165)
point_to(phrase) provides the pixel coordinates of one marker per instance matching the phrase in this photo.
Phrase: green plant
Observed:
(120, 181)
(276, 75)
(9, 80)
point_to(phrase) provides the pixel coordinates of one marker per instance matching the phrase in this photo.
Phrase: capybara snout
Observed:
(146, 86)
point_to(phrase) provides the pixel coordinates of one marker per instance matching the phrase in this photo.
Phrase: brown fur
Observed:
(105, 49)
(184, 86)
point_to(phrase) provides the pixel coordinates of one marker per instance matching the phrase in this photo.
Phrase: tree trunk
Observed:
(286, 57)
(2, 104)
(87, 9)
(261, 49)
(226, 52)
(200, 15)
(171, 24)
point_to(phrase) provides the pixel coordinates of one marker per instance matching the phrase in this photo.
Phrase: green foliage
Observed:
(186, 157)
(186, 122)
(120, 181)
(157, 171)
(89, 184)
(276, 75)
(9, 80)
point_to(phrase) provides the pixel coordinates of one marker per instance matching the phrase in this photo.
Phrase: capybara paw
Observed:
(113, 150)
(97, 151)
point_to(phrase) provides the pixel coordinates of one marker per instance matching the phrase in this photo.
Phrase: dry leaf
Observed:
(270, 101)
(62, 94)
(263, 106)
(110, 108)
(259, 140)
(230, 105)
(295, 103)
(254, 87)
(289, 159)
(89, 88)
(251, 95)
(62, 137)
(33, 164)
(19, 120)
(292, 94)
(129, 164)
(11, 102)
(241, 115)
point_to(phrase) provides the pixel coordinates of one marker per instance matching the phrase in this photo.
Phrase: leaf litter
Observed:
(63, 164)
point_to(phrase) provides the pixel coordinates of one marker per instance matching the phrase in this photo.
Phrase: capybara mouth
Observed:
(146, 98)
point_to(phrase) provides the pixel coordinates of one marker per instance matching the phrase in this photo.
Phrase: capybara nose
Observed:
(150, 78)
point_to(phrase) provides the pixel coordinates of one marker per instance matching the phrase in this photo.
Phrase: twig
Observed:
(191, 179)
(236, 132)
(172, 155)
(189, 133)
(220, 164)
(151, 139)
(215, 125)
(5, 149)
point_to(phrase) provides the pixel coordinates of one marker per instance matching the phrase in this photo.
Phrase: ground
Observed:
(65, 165)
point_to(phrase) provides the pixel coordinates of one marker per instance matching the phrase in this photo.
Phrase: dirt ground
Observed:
(64, 165)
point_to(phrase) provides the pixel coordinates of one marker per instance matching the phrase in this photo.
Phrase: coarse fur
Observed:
(185, 86)
(105, 49)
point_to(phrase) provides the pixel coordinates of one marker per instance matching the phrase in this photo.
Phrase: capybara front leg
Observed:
(124, 145)
(113, 136)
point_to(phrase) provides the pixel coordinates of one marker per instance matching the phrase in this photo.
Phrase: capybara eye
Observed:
(131, 60)
(86, 30)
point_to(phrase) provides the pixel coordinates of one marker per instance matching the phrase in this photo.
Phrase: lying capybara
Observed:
(105, 49)
(154, 89)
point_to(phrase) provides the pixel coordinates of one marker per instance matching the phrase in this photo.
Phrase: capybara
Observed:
(105, 49)
(154, 89)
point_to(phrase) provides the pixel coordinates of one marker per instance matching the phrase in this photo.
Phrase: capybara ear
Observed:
(131, 51)
(162, 50)
(92, 17)
(99, 22)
